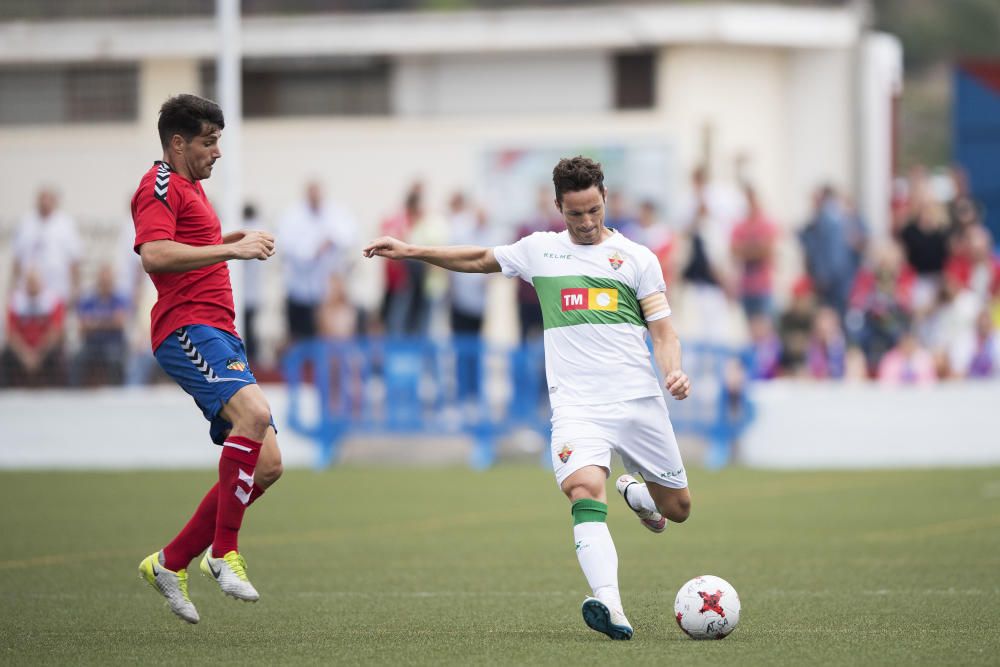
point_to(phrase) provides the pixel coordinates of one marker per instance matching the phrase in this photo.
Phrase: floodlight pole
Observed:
(229, 86)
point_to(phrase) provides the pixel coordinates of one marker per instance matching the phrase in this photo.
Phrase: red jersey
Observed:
(33, 318)
(168, 206)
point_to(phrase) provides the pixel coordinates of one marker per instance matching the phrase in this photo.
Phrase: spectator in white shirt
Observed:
(316, 238)
(468, 290)
(47, 241)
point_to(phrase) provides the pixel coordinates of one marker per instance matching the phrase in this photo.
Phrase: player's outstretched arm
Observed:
(463, 258)
(667, 353)
(166, 256)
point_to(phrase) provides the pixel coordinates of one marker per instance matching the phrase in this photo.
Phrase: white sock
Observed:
(599, 561)
(638, 498)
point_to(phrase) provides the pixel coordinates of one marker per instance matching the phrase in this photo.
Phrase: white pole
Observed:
(229, 86)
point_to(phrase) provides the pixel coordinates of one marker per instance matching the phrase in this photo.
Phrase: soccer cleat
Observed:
(612, 622)
(650, 519)
(172, 585)
(231, 573)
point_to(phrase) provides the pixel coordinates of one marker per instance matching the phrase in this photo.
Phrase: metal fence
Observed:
(419, 387)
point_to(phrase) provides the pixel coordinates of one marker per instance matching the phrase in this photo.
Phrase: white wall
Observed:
(739, 95)
(819, 125)
(504, 83)
(150, 427)
(788, 110)
(800, 425)
(838, 425)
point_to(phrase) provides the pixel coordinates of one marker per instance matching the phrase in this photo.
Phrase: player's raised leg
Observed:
(596, 552)
(661, 494)
(655, 504)
(250, 460)
(674, 504)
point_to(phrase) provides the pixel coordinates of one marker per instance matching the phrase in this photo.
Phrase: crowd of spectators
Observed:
(914, 305)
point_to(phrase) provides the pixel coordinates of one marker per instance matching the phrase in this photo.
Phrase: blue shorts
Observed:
(210, 365)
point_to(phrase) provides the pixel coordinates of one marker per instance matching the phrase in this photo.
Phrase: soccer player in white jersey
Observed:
(601, 295)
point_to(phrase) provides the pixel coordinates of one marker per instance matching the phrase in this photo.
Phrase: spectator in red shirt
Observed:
(753, 241)
(35, 324)
(404, 302)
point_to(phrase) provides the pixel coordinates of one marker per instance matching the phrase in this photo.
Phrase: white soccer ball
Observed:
(707, 607)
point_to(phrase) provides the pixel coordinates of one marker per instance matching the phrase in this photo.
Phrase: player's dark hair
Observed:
(187, 115)
(575, 174)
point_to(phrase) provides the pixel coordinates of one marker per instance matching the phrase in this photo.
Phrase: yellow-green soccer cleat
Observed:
(231, 573)
(172, 585)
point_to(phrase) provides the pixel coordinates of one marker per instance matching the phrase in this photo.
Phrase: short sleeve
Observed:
(514, 259)
(651, 282)
(650, 276)
(153, 217)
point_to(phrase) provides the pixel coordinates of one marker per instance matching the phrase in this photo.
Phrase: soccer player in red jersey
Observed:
(180, 240)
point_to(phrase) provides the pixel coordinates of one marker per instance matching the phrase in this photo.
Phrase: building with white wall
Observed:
(369, 101)
(804, 91)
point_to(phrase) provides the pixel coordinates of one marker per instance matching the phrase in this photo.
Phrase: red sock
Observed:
(235, 489)
(197, 535)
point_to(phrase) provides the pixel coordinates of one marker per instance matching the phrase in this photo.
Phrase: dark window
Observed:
(310, 86)
(635, 80)
(69, 94)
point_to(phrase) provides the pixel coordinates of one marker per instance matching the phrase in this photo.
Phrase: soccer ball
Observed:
(707, 607)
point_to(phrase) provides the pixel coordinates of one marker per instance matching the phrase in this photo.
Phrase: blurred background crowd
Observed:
(918, 305)
(769, 153)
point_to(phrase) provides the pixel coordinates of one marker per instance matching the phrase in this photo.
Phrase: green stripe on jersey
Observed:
(570, 300)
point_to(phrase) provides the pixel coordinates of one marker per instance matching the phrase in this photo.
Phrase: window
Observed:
(635, 80)
(69, 94)
(310, 86)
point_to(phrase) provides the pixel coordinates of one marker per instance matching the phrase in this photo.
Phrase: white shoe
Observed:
(231, 573)
(172, 585)
(612, 622)
(650, 519)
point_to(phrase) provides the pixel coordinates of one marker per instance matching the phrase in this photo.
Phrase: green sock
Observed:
(586, 510)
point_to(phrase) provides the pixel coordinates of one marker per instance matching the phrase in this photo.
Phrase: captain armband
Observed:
(655, 306)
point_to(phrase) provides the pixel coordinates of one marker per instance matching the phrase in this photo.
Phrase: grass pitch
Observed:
(367, 566)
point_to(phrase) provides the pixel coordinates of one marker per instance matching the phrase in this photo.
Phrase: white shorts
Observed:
(639, 430)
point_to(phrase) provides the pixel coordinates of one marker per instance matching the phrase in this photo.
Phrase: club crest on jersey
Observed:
(616, 260)
(565, 453)
(236, 365)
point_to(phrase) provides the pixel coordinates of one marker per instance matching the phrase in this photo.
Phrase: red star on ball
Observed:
(710, 602)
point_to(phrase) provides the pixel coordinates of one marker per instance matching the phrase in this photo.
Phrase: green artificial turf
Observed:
(415, 566)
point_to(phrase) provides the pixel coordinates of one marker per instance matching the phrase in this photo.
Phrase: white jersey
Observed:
(595, 333)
